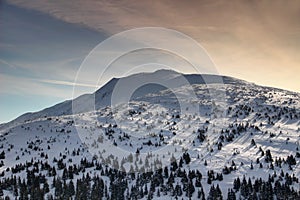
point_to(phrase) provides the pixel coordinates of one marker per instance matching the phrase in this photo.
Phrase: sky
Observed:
(43, 43)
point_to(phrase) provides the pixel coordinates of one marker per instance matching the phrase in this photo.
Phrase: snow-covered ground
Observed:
(239, 122)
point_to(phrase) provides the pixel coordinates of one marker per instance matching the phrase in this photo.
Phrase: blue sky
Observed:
(35, 49)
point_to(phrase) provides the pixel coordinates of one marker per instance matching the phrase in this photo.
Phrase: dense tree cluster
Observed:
(266, 190)
(76, 181)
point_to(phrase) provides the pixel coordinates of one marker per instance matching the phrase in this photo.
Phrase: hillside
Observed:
(232, 139)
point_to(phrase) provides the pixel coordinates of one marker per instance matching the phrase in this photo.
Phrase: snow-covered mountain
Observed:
(227, 138)
(102, 96)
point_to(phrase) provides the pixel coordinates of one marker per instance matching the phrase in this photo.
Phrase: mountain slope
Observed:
(252, 132)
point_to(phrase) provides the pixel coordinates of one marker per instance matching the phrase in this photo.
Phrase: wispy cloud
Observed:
(5, 63)
(26, 86)
(68, 83)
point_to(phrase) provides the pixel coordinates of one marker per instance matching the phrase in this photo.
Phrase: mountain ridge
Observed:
(65, 107)
(67, 104)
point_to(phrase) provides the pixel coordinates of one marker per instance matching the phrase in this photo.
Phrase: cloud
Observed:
(5, 63)
(26, 87)
(67, 83)
(241, 36)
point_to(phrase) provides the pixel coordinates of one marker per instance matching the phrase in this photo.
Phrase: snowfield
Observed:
(231, 130)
